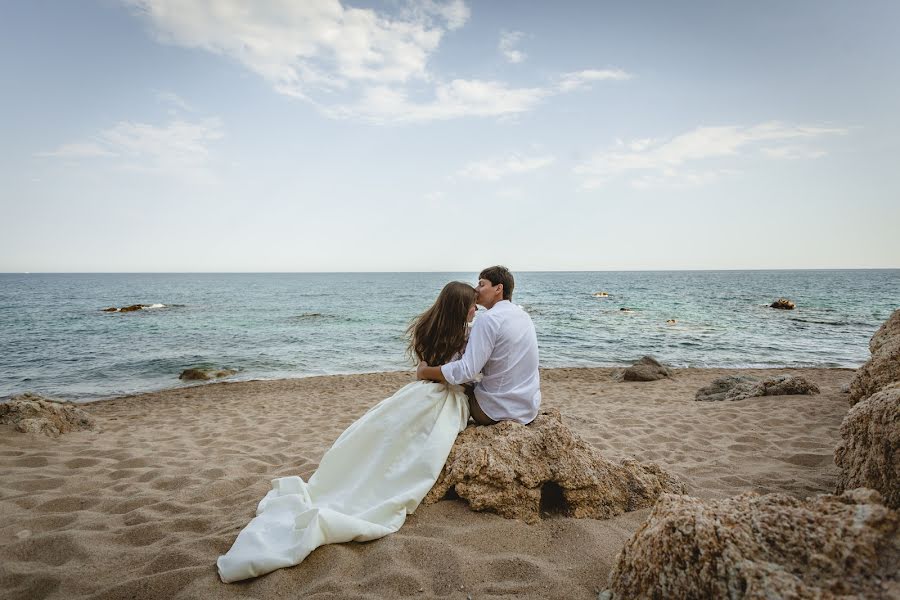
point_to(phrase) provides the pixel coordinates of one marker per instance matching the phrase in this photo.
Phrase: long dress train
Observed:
(377, 472)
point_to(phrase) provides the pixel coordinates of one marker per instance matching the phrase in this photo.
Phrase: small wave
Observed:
(836, 323)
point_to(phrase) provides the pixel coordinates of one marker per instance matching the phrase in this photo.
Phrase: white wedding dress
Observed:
(374, 475)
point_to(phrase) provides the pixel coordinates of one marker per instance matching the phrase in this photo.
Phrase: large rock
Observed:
(762, 547)
(719, 388)
(520, 471)
(205, 374)
(883, 368)
(646, 369)
(30, 413)
(869, 451)
(783, 304)
(740, 388)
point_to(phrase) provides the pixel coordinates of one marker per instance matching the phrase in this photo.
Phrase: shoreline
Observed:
(146, 503)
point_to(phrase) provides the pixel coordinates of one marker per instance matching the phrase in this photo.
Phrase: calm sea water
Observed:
(55, 340)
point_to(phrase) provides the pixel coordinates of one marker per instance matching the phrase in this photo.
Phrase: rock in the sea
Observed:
(646, 369)
(868, 454)
(784, 304)
(740, 388)
(520, 471)
(883, 369)
(30, 413)
(762, 547)
(205, 374)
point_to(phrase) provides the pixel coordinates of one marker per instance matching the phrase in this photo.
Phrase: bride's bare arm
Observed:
(423, 371)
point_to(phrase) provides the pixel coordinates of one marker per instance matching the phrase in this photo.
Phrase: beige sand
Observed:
(143, 508)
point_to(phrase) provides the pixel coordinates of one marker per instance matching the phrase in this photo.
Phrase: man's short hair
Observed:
(502, 275)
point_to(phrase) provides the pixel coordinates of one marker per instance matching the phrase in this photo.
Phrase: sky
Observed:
(320, 135)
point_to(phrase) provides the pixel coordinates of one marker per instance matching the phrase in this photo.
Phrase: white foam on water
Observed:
(155, 306)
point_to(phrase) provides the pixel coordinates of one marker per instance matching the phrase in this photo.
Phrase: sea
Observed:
(56, 340)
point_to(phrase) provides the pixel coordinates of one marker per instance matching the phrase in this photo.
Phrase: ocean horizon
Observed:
(58, 341)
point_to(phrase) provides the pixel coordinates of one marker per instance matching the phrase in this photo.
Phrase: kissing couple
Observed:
(382, 466)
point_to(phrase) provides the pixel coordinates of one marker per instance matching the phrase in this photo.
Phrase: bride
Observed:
(378, 470)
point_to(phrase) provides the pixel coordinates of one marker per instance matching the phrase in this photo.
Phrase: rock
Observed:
(845, 388)
(760, 547)
(205, 374)
(623, 309)
(518, 471)
(741, 388)
(671, 322)
(868, 454)
(111, 309)
(883, 369)
(784, 304)
(131, 308)
(646, 369)
(717, 390)
(30, 413)
(601, 295)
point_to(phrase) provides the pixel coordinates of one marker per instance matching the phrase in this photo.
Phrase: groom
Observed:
(503, 346)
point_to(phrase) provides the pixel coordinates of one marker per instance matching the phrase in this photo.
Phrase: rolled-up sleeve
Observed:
(478, 350)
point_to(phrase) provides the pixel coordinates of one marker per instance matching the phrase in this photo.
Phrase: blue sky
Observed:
(188, 135)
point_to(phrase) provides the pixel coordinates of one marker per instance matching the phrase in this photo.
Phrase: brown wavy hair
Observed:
(440, 332)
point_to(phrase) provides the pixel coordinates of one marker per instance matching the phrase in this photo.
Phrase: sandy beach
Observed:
(144, 506)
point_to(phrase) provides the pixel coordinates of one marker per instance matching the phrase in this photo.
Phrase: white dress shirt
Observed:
(503, 347)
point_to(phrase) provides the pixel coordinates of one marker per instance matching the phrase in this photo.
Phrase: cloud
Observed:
(455, 99)
(651, 162)
(580, 79)
(493, 169)
(173, 99)
(179, 148)
(350, 62)
(508, 41)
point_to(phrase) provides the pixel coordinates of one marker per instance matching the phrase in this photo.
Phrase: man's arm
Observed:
(430, 373)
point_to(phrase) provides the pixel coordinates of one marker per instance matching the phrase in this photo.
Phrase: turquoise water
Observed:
(55, 340)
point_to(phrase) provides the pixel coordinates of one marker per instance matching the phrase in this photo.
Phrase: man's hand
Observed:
(420, 370)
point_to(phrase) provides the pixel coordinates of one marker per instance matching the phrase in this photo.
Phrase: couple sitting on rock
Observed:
(383, 465)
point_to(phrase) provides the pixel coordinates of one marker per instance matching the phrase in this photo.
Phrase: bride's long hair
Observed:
(440, 332)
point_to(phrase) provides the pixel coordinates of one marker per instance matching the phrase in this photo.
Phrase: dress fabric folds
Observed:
(376, 473)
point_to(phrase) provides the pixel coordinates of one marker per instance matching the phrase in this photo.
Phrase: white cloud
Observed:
(655, 161)
(493, 169)
(793, 152)
(458, 98)
(349, 62)
(173, 99)
(179, 148)
(581, 79)
(508, 41)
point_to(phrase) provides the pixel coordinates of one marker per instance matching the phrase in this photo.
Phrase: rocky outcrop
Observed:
(719, 388)
(646, 369)
(783, 304)
(883, 369)
(131, 308)
(741, 388)
(760, 547)
(868, 454)
(30, 413)
(521, 471)
(205, 374)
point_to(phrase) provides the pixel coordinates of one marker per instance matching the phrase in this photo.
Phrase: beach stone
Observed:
(783, 304)
(741, 388)
(883, 369)
(31, 413)
(868, 454)
(646, 369)
(205, 374)
(719, 388)
(762, 547)
(521, 471)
